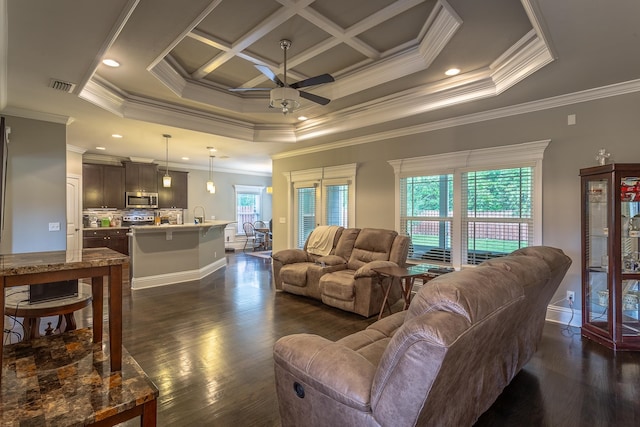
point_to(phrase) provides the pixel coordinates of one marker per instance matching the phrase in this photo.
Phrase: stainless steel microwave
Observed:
(141, 200)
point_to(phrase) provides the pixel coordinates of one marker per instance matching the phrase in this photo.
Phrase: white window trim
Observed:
(524, 154)
(343, 174)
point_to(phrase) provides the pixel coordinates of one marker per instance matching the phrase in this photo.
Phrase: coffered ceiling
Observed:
(179, 60)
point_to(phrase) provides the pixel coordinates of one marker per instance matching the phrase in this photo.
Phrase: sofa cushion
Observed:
(338, 285)
(344, 247)
(295, 274)
(372, 244)
(473, 293)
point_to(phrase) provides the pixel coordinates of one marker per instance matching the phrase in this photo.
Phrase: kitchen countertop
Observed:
(178, 227)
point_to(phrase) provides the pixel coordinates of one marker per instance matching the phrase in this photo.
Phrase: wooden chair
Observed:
(250, 233)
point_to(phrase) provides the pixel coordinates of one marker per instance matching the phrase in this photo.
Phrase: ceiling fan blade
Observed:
(248, 89)
(312, 81)
(270, 74)
(315, 98)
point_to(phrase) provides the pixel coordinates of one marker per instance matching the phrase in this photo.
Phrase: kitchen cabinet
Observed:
(176, 195)
(610, 259)
(115, 239)
(102, 186)
(141, 177)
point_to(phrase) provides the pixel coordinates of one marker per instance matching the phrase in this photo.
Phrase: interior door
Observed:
(74, 241)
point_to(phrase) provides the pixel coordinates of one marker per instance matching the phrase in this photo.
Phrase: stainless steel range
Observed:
(128, 220)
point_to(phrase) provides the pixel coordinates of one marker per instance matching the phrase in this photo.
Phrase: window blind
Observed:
(306, 215)
(336, 205)
(497, 212)
(426, 216)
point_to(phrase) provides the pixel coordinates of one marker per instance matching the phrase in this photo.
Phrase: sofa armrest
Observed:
(291, 256)
(367, 269)
(328, 367)
(330, 260)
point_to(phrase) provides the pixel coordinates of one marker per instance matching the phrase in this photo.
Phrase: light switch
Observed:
(54, 226)
(571, 119)
(283, 220)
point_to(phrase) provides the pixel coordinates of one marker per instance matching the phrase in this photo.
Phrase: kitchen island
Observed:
(167, 254)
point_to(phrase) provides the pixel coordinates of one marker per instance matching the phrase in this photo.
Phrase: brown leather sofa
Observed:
(443, 362)
(344, 278)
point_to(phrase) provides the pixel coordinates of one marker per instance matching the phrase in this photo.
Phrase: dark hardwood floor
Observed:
(208, 347)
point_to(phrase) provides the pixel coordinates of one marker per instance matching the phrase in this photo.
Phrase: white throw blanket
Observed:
(321, 239)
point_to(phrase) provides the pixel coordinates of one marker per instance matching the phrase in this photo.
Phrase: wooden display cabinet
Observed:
(610, 255)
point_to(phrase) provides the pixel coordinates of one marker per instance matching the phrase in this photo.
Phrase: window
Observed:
(248, 205)
(463, 208)
(427, 214)
(322, 196)
(305, 200)
(336, 203)
(497, 212)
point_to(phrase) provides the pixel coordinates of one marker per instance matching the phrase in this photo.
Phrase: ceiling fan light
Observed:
(285, 98)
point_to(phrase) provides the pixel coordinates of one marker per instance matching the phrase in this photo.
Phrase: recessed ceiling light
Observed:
(111, 63)
(452, 71)
(302, 118)
(185, 158)
(116, 135)
(211, 149)
(100, 148)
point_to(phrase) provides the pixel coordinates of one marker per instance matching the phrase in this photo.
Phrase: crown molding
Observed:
(617, 89)
(75, 149)
(38, 115)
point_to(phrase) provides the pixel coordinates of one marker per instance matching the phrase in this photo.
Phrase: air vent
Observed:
(61, 85)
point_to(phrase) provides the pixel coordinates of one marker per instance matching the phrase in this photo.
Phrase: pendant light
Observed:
(166, 179)
(211, 187)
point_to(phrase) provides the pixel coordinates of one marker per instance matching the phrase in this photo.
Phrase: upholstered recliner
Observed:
(298, 271)
(443, 362)
(357, 287)
(344, 278)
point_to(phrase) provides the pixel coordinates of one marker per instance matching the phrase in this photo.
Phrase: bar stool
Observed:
(17, 305)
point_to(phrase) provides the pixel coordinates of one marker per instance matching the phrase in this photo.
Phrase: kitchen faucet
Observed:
(204, 216)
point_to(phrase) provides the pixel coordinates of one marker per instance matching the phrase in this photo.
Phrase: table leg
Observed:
(407, 287)
(115, 316)
(96, 303)
(385, 300)
(149, 413)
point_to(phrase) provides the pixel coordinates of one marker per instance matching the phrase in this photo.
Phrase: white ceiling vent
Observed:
(61, 85)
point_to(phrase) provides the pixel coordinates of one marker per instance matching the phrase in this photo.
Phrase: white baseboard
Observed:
(563, 315)
(177, 277)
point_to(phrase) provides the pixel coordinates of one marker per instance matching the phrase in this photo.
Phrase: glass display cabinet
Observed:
(610, 257)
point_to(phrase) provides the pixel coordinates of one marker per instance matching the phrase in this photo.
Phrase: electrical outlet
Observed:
(571, 296)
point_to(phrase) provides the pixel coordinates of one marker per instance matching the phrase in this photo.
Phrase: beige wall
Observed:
(611, 123)
(36, 187)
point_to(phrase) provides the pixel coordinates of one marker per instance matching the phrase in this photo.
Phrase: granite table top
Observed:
(42, 262)
(65, 380)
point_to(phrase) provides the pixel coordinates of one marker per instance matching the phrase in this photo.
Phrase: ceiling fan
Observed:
(287, 96)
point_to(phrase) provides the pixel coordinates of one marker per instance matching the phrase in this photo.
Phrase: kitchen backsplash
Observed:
(113, 217)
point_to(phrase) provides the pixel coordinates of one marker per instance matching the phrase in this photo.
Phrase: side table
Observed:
(16, 304)
(405, 276)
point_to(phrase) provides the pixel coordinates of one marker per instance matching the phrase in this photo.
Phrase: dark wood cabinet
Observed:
(141, 177)
(103, 186)
(611, 255)
(115, 239)
(176, 195)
